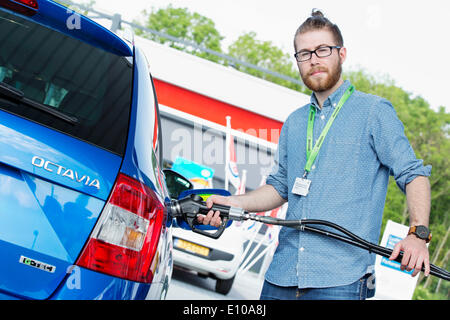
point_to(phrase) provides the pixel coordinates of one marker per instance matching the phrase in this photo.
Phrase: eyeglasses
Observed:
(320, 52)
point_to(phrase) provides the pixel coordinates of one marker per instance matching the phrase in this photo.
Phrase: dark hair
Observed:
(318, 21)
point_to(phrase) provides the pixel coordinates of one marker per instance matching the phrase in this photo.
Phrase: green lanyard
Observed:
(311, 153)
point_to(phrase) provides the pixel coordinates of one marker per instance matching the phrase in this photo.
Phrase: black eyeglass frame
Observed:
(315, 52)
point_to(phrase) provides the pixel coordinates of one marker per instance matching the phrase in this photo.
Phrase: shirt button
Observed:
(334, 104)
(302, 249)
(313, 166)
(322, 117)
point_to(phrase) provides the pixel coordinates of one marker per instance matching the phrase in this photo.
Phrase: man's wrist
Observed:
(415, 237)
(420, 232)
(237, 201)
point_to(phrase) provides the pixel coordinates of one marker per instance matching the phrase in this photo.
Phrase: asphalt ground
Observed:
(187, 285)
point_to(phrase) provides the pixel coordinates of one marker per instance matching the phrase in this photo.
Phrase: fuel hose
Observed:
(188, 208)
(348, 237)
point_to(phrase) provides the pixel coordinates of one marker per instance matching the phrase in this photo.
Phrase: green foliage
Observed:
(182, 24)
(193, 27)
(424, 294)
(266, 55)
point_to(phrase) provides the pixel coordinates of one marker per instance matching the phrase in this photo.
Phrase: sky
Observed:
(406, 41)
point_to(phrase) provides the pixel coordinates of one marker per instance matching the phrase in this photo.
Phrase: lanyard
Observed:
(311, 153)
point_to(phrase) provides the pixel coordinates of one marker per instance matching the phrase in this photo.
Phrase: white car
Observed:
(215, 258)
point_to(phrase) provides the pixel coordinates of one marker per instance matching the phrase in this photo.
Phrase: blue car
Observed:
(83, 198)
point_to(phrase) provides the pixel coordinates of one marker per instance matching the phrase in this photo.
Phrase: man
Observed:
(333, 163)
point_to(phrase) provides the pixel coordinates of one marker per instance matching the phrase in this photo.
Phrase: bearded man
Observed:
(334, 159)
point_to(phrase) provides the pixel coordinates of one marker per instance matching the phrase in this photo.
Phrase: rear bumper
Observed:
(84, 284)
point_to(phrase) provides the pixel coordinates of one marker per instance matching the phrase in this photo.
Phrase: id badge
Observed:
(301, 186)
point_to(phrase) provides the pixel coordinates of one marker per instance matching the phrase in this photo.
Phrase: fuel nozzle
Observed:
(188, 208)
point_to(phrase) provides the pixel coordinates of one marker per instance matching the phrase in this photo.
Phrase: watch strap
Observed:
(413, 229)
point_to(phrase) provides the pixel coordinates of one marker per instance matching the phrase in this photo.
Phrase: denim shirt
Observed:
(349, 180)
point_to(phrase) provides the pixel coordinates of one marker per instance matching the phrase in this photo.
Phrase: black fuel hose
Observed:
(348, 237)
(189, 207)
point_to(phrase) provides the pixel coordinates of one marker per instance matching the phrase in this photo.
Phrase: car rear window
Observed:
(70, 76)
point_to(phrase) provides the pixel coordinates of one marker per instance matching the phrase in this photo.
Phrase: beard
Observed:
(323, 84)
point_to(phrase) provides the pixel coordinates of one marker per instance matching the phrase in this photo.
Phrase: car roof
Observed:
(60, 18)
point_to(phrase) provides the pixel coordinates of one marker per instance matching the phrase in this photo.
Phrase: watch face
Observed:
(422, 232)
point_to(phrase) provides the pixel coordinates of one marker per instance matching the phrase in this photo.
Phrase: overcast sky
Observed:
(406, 40)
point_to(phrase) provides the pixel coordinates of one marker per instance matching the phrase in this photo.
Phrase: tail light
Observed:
(25, 7)
(29, 3)
(125, 239)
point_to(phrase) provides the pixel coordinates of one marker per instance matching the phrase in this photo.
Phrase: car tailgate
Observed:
(52, 190)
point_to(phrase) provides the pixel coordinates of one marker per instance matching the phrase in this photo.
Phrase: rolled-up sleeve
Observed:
(278, 176)
(392, 146)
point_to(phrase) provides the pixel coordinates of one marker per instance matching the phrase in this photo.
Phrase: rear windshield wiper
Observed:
(17, 95)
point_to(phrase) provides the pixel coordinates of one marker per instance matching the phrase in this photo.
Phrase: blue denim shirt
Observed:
(365, 144)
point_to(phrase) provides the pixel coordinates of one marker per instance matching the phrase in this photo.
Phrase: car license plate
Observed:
(191, 247)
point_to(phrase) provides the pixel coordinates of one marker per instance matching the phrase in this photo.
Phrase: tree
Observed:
(266, 55)
(198, 29)
(184, 25)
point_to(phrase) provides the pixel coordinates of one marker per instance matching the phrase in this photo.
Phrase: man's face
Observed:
(319, 74)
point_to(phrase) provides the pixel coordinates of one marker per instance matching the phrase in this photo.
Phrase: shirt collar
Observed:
(333, 99)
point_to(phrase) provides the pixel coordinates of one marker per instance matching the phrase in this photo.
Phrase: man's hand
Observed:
(415, 254)
(213, 218)
(262, 199)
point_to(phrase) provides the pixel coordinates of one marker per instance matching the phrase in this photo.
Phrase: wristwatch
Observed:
(420, 232)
